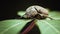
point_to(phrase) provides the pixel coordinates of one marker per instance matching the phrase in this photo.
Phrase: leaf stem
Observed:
(29, 27)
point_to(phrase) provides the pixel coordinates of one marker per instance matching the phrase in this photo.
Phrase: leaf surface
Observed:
(21, 13)
(12, 26)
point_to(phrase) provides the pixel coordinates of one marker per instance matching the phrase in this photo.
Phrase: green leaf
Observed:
(50, 26)
(55, 15)
(21, 13)
(12, 26)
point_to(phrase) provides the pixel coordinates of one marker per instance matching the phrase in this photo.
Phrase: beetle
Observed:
(36, 11)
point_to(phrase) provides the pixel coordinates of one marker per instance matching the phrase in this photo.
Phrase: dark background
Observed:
(9, 8)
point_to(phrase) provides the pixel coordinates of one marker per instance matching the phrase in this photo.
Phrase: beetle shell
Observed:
(31, 12)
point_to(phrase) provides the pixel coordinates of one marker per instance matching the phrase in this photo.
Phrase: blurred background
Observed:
(9, 8)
